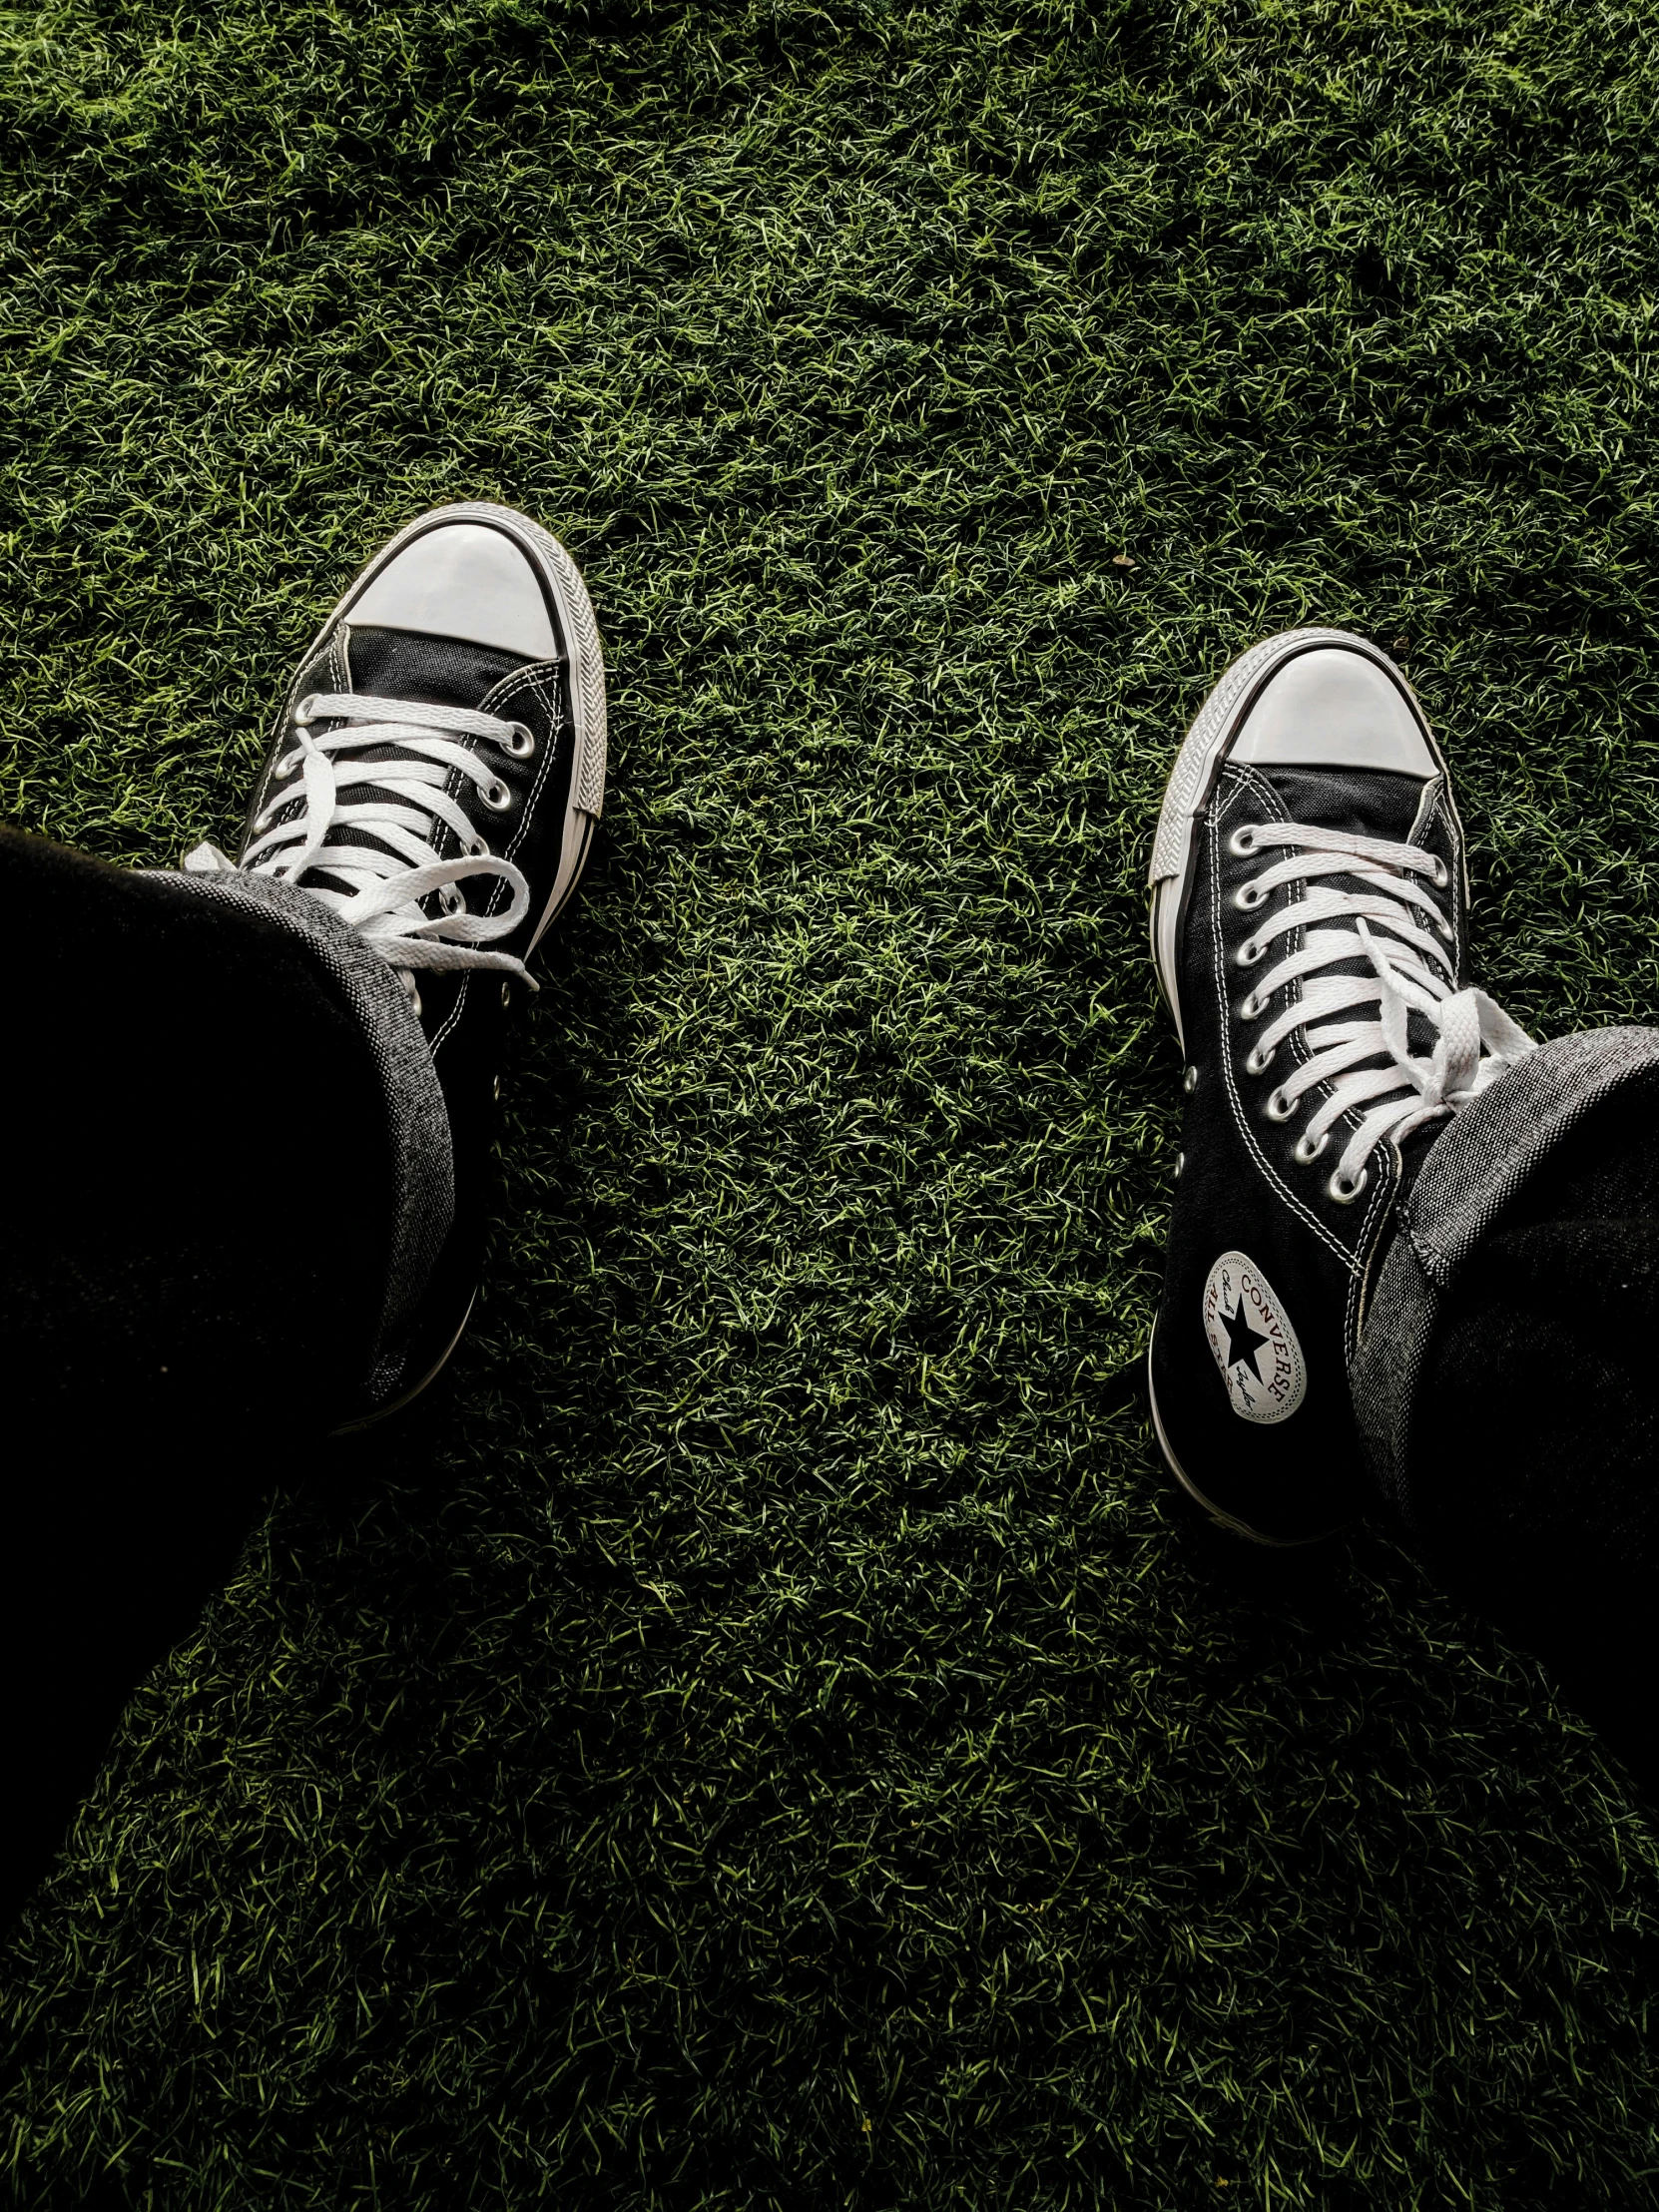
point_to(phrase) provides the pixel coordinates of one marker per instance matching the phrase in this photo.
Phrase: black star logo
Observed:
(1242, 1341)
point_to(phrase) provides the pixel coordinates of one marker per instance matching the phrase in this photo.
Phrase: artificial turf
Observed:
(761, 1737)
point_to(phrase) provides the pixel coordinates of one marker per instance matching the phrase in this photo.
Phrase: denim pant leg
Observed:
(1507, 1380)
(227, 1167)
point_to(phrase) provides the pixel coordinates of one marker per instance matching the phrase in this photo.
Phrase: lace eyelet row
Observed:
(1242, 843)
(1342, 1189)
(1277, 1108)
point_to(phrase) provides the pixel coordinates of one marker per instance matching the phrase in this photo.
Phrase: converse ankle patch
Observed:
(1253, 1344)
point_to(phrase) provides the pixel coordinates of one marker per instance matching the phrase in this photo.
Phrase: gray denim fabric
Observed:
(1471, 1172)
(418, 1121)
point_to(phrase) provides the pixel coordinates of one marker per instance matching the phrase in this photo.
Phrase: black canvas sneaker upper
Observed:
(1310, 908)
(435, 776)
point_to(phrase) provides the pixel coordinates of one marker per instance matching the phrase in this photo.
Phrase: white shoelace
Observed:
(1409, 971)
(384, 882)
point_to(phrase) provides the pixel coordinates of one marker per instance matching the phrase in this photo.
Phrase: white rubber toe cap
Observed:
(1333, 708)
(461, 580)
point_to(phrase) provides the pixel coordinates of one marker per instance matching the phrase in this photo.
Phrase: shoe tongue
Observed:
(1369, 802)
(444, 672)
(430, 670)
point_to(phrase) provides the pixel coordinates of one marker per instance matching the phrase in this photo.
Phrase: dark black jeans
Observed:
(1532, 1488)
(198, 1211)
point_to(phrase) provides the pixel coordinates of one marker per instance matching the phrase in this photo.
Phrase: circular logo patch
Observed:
(1253, 1341)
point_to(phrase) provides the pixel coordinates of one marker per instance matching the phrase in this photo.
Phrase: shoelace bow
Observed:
(1367, 1063)
(385, 880)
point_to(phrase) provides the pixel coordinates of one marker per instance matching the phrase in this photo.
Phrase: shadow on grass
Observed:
(1318, 1601)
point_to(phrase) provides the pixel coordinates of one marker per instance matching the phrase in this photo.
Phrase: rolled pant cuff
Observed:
(417, 1129)
(1472, 1173)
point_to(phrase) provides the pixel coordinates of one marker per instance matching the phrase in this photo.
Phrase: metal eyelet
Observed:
(1258, 1062)
(1345, 1192)
(522, 743)
(1242, 843)
(476, 848)
(306, 712)
(450, 900)
(1249, 896)
(1445, 929)
(264, 820)
(1249, 954)
(1180, 1164)
(1252, 1008)
(506, 994)
(1279, 1107)
(497, 797)
(1189, 1082)
(283, 769)
(1442, 876)
(1307, 1149)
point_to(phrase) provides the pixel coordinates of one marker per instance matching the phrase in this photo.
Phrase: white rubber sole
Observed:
(406, 1397)
(1222, 1518)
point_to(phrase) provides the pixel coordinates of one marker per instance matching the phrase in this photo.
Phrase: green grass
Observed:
(762, 1739)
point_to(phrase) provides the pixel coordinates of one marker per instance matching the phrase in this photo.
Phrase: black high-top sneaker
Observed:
(1309, 914)
(435, 777)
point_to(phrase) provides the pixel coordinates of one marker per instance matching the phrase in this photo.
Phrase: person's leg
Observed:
(1413, 1259)
(201, 1182)
(200, 1205)
(1508, 1382)
(1309, 921)
(249, 1110)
